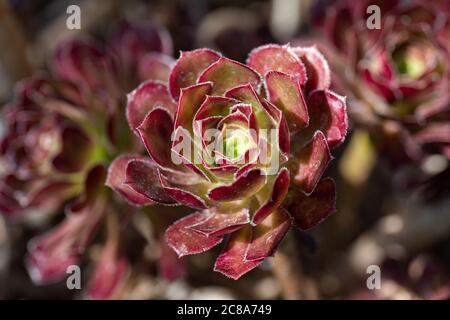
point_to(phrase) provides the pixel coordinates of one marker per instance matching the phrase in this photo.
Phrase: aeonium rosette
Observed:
(61, 131)
(404, 63)
(245, 144)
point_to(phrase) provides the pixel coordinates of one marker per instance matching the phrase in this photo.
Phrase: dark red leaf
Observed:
(188, 67)
(231, 262)
(268, 234)
(309, 211)
(185, 241)
(310, 163)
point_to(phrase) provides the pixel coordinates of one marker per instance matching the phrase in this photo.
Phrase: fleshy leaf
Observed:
(108, 275)
(278, 193)
(309, 211)
(188, 155)
(188, 67)
(226, 74)
(317, 68)
(311, 162)
(231, 262)
(155, 66)
(182, 196)
(286, 94)
(130, 41)
(191, 98)
(42, 266)
(156, 132)
(247, 94)
(144, 99)
(217, 224)
(170, 266)
(284, 140)
(82, 62)
(185, 241)
(327, 113)
(142, 176)
(50, 254)
(94, 186)
(116, 180)
(41, 193)
(274, 57)
(245, 185)
(268, 234)
(76, 147)
(215, 106)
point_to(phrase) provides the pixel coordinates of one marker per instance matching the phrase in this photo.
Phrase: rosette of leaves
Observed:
(62, 129)
(397, 75)
(250, 198)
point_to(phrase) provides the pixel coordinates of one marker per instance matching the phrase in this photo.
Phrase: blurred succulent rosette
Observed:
(245, 145)
(392, 58)
(62, 129)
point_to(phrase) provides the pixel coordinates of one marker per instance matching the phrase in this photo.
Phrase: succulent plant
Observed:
(63, 128)
(244, 144)
(397, 76)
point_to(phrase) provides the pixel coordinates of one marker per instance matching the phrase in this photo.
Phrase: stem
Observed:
(286, 266)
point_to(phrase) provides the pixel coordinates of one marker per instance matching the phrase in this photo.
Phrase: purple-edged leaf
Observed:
(268, 234)
(245, 185)
(276, 196)
(156, 132)
(231, 262)
(109, 273)
(142, 176)
(317, 68)
(94, 186)
(235, 119)
(274, 57)
(76, 148)
(309, 210)
(144, 99)
(217, 224)
(188, 67)
(384, 87)
(130, 41)
(328, 113)
(50, 255)
(185, 153)
(42, 193)
(246, 94)
(44, 265)
(284, 140)
(82, 62)
(191, 99)
(245, 108)
(185, 241)
(310, 163)
(170, 266)
(215, 106)
(286, 94)
(155, 66)
(182, 196)
(201, 128)
(226, 74)
(116, 180)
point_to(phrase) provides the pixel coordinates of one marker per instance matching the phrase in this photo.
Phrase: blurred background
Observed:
(395, 217)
